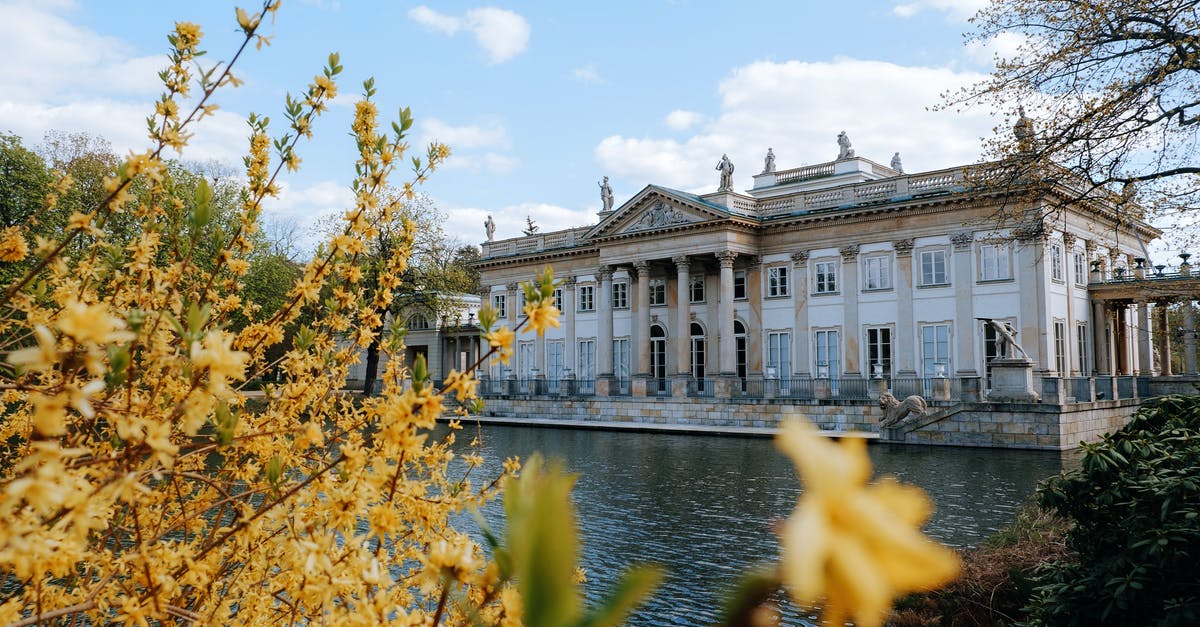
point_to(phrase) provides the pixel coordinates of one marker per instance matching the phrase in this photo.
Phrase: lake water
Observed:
(704, 506)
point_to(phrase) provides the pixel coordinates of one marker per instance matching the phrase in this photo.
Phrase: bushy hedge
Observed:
(1135, 504)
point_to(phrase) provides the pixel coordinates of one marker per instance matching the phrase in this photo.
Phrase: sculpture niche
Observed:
(896, 412)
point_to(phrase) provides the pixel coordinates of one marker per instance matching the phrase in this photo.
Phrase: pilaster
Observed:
(964, 310)
(906, 346)
(800, 309)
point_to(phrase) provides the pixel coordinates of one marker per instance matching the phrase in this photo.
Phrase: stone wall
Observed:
(1007, 425)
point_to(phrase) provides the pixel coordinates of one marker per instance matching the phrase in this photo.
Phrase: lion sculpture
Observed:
(896, 412)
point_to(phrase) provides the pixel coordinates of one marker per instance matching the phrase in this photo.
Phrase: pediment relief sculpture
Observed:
(659, 216)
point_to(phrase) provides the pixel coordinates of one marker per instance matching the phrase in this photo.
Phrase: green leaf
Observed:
(544, 542)
(420, 372)
(634, 588)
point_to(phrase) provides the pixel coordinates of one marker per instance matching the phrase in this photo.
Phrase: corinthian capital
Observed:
(849, 252)
(726, 258)
(800, 258)
(903, 247)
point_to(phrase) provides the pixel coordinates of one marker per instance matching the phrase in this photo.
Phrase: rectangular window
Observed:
(879, 350)
(658, 292)
(1060, 348)
(621, 361)
(620, 295)
(697, 289)
(933, 268)
(935, 350)
(993, 262)
(499, 303)
(779, 354)
(525, 361)
(587, 359)
(827, 350)
(554, 360)
(826, 279)
(1081, 347)
(587, 301)
(1056, 262)
(739, 285)
(558, 298)
(877, 273)
(777, 281)
(1081, 270)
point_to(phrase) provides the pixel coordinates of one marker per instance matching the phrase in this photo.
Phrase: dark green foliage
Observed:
(1135, 505)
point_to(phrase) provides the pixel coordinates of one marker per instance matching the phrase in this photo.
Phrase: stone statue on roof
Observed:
(606, 195)
(726, 168)
(489, 225)
(769, 165)
(896, 163)
(844, 149)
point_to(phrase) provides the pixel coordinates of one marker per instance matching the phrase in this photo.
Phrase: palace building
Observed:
(821, 279)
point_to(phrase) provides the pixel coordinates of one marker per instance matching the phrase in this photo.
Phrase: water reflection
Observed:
(703, 506)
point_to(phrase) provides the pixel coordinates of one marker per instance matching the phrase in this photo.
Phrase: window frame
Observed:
(586, 297)
(1080, 266)
(739, 281)
(500, 304)
(778, 281)
(1002, 262)
(1058, 271)
(825, 276)
(884, 274)
(930, 281)
(658, 287)
(619, 298)
(696, 285)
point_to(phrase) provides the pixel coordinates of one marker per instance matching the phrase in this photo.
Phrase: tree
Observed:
(24, 181)
(1113, 87)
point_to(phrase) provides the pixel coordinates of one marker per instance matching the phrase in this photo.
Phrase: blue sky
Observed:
(538, 100)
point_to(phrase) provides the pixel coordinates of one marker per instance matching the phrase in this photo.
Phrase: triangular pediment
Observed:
(655, 209)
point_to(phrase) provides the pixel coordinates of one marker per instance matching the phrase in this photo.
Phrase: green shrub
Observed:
(1135, 505)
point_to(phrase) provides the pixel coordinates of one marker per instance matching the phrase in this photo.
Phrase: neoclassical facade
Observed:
(838, 272)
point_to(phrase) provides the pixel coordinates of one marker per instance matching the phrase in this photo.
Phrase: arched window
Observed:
(658, 357)
(739, 338)
(418, 322)
(698, 348)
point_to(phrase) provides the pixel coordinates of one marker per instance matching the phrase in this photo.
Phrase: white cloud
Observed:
(586, 74)
(487, 134)
(306, 206)
(680, 120)
(881, 106)
(1004, 45)
(501, 33)
(958, 10)
(510, 220)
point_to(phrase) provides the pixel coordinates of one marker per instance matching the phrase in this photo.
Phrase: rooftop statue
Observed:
(489, 225)
(726, 168)
(844, 149)
(769, 165)
(606, 195)
(896, 164)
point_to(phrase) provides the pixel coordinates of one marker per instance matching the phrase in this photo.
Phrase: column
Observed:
(681, 332)
(1032, 282)
(1145, 358)
(641, 321)
(513, 315)
(850, 307)
(726, 357)
(568, 323)
(964, 306)
(1070, 348)
(1189, 338)
(1121, 340)
(1102, 362)
(905, 350)
(1162, 338)
(800, 308)
(604, 325)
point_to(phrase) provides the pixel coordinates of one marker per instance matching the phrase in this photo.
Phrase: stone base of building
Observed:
(1012, 381)
(997, 425)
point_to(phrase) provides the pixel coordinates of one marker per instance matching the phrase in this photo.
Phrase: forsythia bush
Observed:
(138, 487)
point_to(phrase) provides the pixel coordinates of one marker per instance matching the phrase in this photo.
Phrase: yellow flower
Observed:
(542, 315)
(858, 546)
(216, 355)
(502, 340)
(90, 323)
(462, 384)
(13, 246)
(40, 357)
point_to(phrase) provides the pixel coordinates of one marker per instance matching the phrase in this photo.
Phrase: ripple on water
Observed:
(704, 506)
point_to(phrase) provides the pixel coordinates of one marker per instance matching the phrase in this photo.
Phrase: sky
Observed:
(537, 100)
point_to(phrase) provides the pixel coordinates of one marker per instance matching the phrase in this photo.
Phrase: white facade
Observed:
(826, 271)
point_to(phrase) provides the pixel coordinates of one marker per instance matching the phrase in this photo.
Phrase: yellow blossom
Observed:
(40, 357)
(502, 340)
(461, 384)
(542, 315)
(221, 361)
(89, 323)
(857, 546)
(13, 246)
